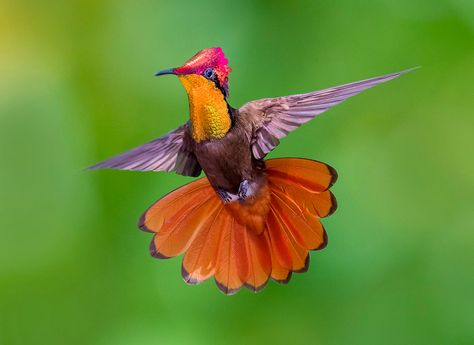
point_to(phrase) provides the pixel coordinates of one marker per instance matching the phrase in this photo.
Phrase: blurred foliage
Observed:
(77, 85)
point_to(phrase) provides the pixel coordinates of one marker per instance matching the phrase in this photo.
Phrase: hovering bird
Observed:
(249, 219)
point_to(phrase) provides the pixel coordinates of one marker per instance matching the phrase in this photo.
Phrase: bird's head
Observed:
(207, 66)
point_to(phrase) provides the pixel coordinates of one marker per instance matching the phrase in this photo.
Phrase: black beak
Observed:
(165, 71)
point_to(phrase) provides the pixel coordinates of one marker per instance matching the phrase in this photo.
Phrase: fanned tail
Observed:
(192, 220)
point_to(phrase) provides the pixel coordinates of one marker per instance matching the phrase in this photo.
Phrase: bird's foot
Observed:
(243, 189)
(225, 197)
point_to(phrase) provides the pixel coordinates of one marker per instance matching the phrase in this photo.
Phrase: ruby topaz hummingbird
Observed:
(249, 219)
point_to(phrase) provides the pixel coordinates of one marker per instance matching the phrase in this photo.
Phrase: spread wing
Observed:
(273, 118)
(171, 152)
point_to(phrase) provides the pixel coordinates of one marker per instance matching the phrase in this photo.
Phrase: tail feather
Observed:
(307, 174)
(199, 262)
(321, 203)
(173, 204)
(260, 264)
(280, 274)
(279, 242)
(232, 267)
(297, 252)
(287, 255)
(193, 220)
(176, 235)
(307, 229)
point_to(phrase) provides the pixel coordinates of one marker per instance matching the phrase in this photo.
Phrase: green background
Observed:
(77, 85)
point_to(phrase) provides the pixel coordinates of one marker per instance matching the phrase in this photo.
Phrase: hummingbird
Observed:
(249, 219)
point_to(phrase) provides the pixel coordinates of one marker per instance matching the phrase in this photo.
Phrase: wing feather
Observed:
(273, 118)
(171, 152)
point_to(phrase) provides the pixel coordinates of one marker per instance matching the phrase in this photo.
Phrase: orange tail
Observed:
(216, 242)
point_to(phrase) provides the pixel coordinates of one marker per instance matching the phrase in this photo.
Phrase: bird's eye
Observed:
(208, 73)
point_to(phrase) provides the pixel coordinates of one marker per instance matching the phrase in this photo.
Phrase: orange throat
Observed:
(207, 108)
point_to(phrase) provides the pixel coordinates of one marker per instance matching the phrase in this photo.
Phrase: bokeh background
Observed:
(77, 86)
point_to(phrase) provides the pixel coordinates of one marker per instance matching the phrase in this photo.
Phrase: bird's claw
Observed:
(243, 189)
(225, 197)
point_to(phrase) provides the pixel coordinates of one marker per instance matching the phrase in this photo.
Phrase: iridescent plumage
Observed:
(248, 219)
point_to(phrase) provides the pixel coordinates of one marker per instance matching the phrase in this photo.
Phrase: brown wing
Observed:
(273, 118)
(171, 152)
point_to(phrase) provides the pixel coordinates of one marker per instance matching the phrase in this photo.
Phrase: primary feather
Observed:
(274, 118)
(171, 152)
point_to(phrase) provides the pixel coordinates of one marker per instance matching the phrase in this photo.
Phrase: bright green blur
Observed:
(77, 86)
